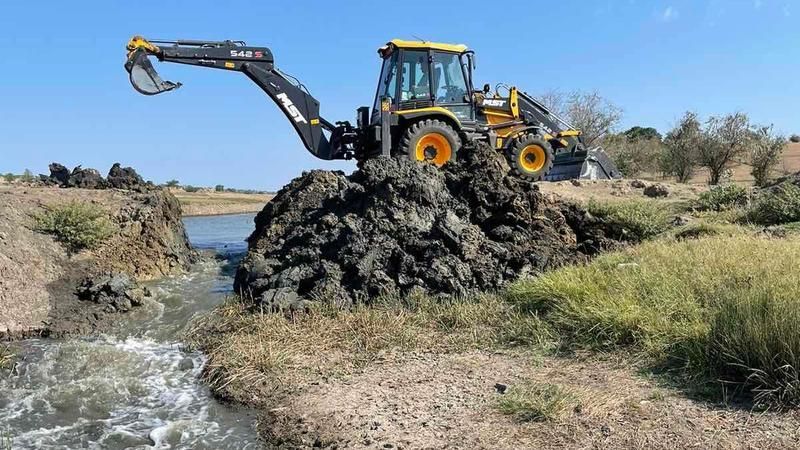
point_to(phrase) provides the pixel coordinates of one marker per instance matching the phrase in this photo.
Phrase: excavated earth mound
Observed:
(396, 226)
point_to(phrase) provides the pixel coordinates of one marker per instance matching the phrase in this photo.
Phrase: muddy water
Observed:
(137, 387)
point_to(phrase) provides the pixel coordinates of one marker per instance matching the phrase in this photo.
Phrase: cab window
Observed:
(387, 83)
(416, 80)
(448, 78)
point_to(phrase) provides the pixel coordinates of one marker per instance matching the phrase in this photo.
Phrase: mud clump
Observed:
(395, 227)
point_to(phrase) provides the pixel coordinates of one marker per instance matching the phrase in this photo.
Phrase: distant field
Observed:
(217, 203)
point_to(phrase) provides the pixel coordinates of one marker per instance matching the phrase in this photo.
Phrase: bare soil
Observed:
(38, 277)
(450, 401)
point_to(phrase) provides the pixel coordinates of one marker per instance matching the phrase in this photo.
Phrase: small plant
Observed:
(5, 441)
(637, 220)
(778, 205)
(535, 402)
(722, 198)
(77, 225)
(27, 176)
(9, 177)
(6, 358)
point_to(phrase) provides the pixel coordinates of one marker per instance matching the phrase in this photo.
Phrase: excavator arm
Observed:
(299, 106)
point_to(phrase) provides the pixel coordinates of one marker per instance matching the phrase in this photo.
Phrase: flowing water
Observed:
(136, 387)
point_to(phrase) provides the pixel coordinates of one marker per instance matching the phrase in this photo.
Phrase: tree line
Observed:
(714, 144)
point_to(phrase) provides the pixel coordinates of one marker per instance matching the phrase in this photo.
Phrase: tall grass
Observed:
(721, 307)
(636, 220)
(537, 402)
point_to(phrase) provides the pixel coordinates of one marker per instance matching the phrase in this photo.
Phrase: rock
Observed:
(59, 174)
(86, 179)
(397, 227)
(638, 184)
(124, 178)
(117, 291)
(576, 182)
(500, 388)
(680, 221)
(656, 190)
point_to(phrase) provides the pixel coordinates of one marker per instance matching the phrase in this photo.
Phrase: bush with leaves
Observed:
(777, 205)
(724, 197)
(765, 153)
(219, 188)
(77, 225)
(725, 139)
(681, 144)
(172, 183)
(9, 177)
(633, 155)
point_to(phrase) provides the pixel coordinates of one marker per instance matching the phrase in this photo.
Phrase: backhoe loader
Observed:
(425, 108)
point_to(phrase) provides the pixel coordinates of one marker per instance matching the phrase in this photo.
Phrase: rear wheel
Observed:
(531, 157)
(431, 141)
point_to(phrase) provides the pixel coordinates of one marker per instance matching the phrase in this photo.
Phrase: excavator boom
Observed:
(299, 106)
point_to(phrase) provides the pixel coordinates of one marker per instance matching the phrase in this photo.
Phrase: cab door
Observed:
(449, 84)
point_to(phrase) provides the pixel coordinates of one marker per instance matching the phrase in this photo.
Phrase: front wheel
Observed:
(531, 157)
(431, 141)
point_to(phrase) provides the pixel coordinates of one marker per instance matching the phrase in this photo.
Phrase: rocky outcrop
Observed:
(86, 179)
(118, 178)
(124, 178)
(395, 227)
(115, 292)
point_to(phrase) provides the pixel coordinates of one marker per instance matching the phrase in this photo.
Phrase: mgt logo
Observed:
(291, 109)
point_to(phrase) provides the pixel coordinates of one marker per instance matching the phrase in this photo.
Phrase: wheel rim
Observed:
(433, 147)
(532, 158)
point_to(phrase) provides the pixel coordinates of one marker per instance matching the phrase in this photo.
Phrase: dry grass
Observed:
(537, 402)
(7, 357)
(248, 348)
(717, 308)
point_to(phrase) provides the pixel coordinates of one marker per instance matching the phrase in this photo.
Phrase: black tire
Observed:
(439, 141)
(531, 157)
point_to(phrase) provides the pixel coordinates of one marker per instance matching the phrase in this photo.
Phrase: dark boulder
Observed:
(656, 190)
(59, 174)
(124, 178)
(116, 291)
(86, 179)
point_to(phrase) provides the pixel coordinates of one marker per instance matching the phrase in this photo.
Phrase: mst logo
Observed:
(494, 103)
(291, 109)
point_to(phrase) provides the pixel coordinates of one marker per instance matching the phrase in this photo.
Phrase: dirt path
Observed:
(449, 401)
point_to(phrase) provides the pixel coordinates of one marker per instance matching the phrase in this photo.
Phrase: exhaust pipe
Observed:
(144, 77)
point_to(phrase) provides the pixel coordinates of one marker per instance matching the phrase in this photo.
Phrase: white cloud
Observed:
(669, 14)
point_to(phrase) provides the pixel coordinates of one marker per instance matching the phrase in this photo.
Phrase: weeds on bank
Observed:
(77, 225)
(722, 198)
(6, 357)
(638, 219)
(245, 348)
(537, 402)
(6, 443)
(720, 308)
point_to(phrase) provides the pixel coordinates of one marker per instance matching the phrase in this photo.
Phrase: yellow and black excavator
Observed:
(425, 108)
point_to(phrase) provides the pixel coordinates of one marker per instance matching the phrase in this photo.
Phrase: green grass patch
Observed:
(537, 402)
(777, 205)
(723, 198)
(636, 220)
(717, 308)
(77, 225)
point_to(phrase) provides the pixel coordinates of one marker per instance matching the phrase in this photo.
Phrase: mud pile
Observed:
(396, 226)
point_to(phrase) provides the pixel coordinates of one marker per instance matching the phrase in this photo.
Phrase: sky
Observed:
(64, 95)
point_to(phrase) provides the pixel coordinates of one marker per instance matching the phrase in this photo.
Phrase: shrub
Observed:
(27, 176)
(717, 308)
(6, 357)
(77, 225)
(681, 146)
(219, 188)
(534, 402)
(724, 140)
(172, 183)
(190, 188)
(721, 198)
(637, 220)
(795, 138)
(9, 177)
(777, 205)
(633, 155)
(765, 153)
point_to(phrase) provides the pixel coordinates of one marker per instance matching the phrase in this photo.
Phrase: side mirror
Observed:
(487, 88)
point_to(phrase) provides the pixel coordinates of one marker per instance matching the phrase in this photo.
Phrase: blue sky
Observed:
(65, 97)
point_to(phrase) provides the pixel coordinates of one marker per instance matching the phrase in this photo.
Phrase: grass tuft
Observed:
(77, 225)
(637, 220)
(717, 308)
(535, 402)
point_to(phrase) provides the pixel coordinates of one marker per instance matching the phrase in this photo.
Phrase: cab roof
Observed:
(457, 48)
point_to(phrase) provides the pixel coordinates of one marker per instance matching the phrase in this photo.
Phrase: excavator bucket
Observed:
(593, 164)
(144, 77)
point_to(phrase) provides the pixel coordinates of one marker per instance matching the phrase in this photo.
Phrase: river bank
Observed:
(134, 386)
(141, 238)
(206, 203)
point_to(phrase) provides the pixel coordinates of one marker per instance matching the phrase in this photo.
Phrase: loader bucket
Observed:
(144, 77)
(593, 164)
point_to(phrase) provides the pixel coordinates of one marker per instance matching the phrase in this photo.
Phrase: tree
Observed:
(190, 188)
(172, 183)
(765, 152)
(681, 146)
(9, 177)
(589, 112)
(642, 133)
(633, 155)
(219, 188)
(27, 176)
(725, 139)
